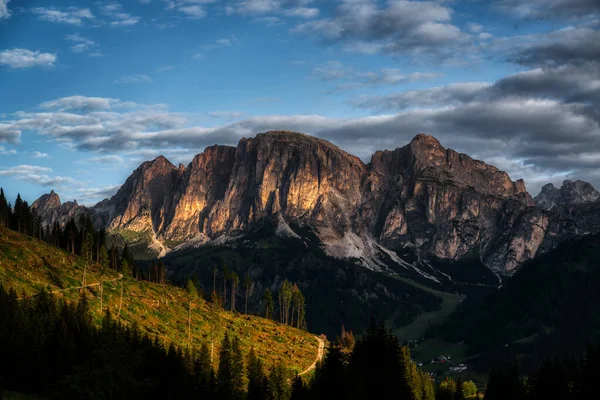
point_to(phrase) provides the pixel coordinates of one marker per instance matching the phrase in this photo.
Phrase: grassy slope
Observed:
(28, 265)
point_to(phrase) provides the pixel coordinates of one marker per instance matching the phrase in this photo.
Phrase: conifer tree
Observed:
(299, 390)
(247, 286)
(268, 299)
(225, 278)
(234, 281)
(5, 210)
(257, 379)
(228, 385)
(237, 368)
(204, 373)
(279, 386)
(458, 393)
(87, 245)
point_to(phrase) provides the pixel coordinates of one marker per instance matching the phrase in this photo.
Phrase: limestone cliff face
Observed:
(145, 198)
(201, 188)
(51, 211)
(441, 203)
(293, 175)
(445, 204)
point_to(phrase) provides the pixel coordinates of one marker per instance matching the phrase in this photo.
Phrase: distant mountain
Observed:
(52, 211)
(440, 206)
(569, 194)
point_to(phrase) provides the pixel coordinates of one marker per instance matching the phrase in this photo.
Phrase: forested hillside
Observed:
(166, 313)
(549, 307)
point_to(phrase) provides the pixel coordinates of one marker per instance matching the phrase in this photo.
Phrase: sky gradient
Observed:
(89, 90)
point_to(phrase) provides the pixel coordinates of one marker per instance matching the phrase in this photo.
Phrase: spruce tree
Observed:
(234, 281)
(247, 287)
(268, 299)
(225, 373)
(204, 373)
(257, 379)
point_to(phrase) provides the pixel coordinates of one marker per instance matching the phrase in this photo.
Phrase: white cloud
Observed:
(414, 28)
(198, 56)
(81, 44)
(87, 104)
(4, 151)
(109, 159)
(37, 154)
(164, 68)
(72, 15)
(38, 175)
(116, 15)
(347, 78)
(4, 11)
(193, 11)
(23, 58)
(93, 195)
(139, 78)
(287, 8)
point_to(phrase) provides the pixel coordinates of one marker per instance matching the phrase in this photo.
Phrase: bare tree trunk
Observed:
(214, 279)
(121, 300)
(232, 296)
(246, 306)
(190, 325)
(101, 291)
(83, 279)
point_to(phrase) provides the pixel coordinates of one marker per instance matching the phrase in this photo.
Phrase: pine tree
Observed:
(234, 281)
(5, 210)
(458, 393)
(237, 368)
(279, 386)
(247, 286)
(192, 294)
(86, 247)
(299, 390)
(446, 389)
(257, 379)
(268, 299)
(225, 277)
(204, 373)
(230, 372)
(125, 267)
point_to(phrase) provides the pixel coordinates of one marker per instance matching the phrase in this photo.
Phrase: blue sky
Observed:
(89, 90)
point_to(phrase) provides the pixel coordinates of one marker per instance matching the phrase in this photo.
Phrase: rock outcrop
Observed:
(440, 203)
(51, 210)
(570, 193)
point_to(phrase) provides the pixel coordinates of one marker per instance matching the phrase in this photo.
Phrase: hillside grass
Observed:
(424, 321)
(28, 265)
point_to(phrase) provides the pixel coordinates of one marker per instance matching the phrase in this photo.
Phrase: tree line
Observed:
(291, 302)
(566, 378)
(51, 347)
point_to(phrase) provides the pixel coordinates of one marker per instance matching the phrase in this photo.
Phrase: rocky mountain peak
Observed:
(47, 201)
(570, 193)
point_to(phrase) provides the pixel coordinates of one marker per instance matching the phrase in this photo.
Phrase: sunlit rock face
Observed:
(51, 210)
(145, 198)
(297, 176)
(200, 189)
(441, 203)
(445, 204)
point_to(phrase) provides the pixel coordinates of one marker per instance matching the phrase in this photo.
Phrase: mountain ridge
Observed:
(422, 196)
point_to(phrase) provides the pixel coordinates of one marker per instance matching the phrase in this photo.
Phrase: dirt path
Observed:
(89, 285)
(319, 356)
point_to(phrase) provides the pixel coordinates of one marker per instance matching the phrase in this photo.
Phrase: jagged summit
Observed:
(570, 193)
(437, 201)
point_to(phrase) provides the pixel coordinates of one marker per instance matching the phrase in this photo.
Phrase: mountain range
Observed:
(422, 199)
